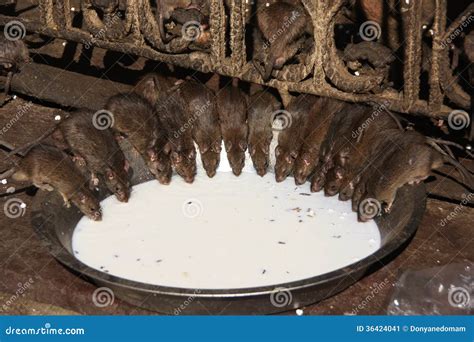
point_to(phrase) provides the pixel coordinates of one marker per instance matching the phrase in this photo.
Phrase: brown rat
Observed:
(291, 138)
(318, 125)
(151, 86)
(201, 105)
(411, 163)
(99, 150)
(359, 145)
(343, 123)
(282, 26)
(178, 123)
(135, 118)
(262, 107)
(13, 55)
(167, 7)
(370, 154)
(232, 110)
(51, 169)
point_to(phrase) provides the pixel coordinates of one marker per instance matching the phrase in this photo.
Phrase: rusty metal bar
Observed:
(436, 97)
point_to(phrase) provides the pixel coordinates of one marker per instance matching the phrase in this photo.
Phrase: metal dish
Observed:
(55, 225)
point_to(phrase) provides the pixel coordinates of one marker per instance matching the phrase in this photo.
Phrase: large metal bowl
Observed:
(55, 225)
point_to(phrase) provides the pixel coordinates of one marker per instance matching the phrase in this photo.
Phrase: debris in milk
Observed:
(229, 245)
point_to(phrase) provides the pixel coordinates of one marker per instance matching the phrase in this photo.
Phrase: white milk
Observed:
(222, 233)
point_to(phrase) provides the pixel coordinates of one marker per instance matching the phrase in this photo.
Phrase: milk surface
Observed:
(227, 232)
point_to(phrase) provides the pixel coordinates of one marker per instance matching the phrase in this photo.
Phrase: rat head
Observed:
(235, 148)
(87, 204)
(411, 165)
(159, 164)
(334, 180)
(210, 157)
(347, 189)
(183, 160)
(285, 162)
(304, 165)
(117, 185)
(259, 152)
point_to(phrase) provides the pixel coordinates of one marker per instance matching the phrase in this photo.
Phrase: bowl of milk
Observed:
(226, 245)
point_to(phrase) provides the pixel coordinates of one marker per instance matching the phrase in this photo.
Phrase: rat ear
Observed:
(243, 145)
(192, 154)
(167, 148)
(110, 174)
(204, 148)
(294, 154)
(306, 159)
(339, 172)
(82, 197)
(279, 63)
(217, 146)
(176, 157)
(152, 154)
(278, 151)
(252, 150)
(228, 146)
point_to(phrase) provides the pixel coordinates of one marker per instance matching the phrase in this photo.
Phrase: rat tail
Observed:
(448, 158)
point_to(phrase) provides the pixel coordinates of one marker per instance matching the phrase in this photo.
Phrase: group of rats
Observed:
(354, 150)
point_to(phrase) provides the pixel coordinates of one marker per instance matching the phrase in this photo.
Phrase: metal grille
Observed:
(322, 73)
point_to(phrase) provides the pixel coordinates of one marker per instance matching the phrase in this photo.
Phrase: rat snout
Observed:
(346, 194)
(122, 196)
(211, 173)
(317, 183)
(331, 189)
(96, 216)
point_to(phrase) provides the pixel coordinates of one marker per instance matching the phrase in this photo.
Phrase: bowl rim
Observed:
(60, 253)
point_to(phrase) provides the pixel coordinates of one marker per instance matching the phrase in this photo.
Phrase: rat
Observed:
(291, 137)
(151, 85)
(167, 7)
(13, 55)
(232, 110)
(261, 110)
(206, 131)
(360, 144)
(136, 119)
(282, 26)
(50, 169)
(370, 154)
(178, 123)
(318, 125)
(344, 123)
(97, 150)
(411, 163)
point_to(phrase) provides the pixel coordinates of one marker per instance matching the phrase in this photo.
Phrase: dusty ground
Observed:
(32, 282)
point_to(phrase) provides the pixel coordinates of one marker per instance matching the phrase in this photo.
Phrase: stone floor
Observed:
(32, 282)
